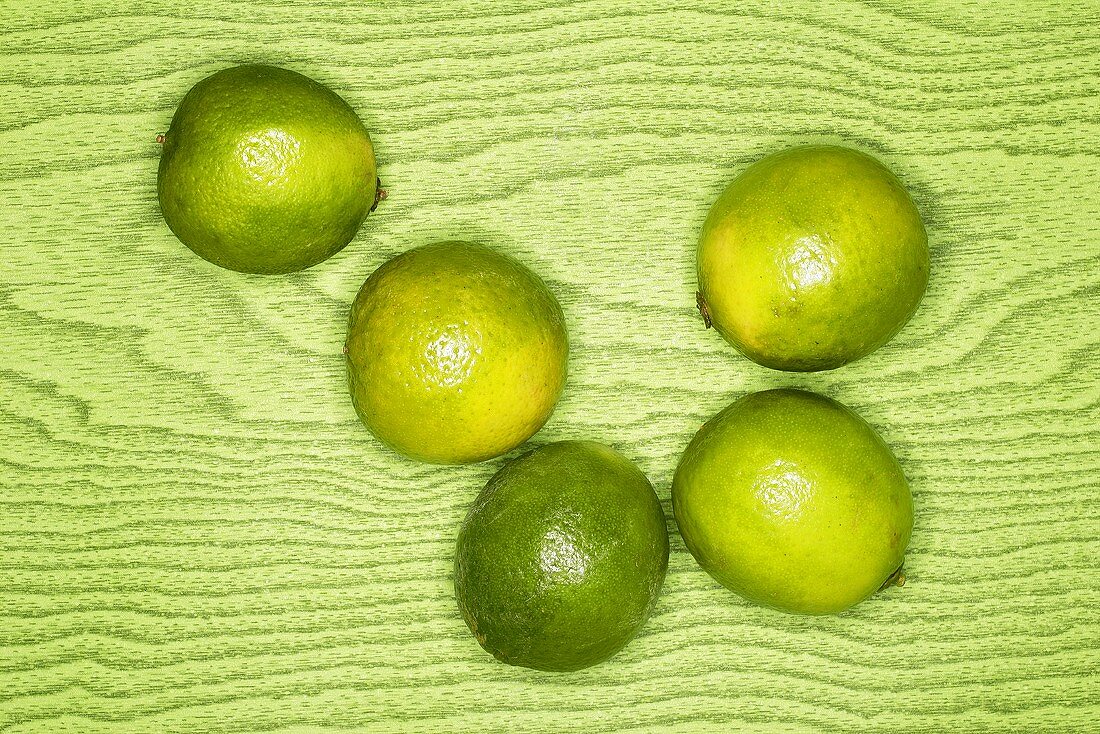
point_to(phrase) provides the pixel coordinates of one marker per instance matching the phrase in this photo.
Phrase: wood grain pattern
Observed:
(198, 536)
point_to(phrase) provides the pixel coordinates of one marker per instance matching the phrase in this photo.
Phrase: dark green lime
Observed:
(561, 557)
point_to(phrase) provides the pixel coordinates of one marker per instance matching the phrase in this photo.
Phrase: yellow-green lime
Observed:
(812, 258)
(791, 500)
(264, 170)
(456, 353)
(561, 557)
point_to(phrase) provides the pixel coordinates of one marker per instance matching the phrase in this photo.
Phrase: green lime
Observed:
(791, 500)
(812, 258)
(561, 557)
(456, 353)
(265, 171)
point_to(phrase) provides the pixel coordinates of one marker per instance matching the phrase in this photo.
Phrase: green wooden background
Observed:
(196, 535)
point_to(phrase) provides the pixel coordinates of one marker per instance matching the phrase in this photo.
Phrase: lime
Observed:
(264, 170)
(561, 557)
(791, 500)
(455, 353)
(812, 258)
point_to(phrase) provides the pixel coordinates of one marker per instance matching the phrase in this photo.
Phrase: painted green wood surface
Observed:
(196, 535)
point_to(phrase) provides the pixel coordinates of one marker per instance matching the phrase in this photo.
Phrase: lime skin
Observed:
(812, 258)
(456, 353)
(561, 558)
(791, 500)
(264, 170)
